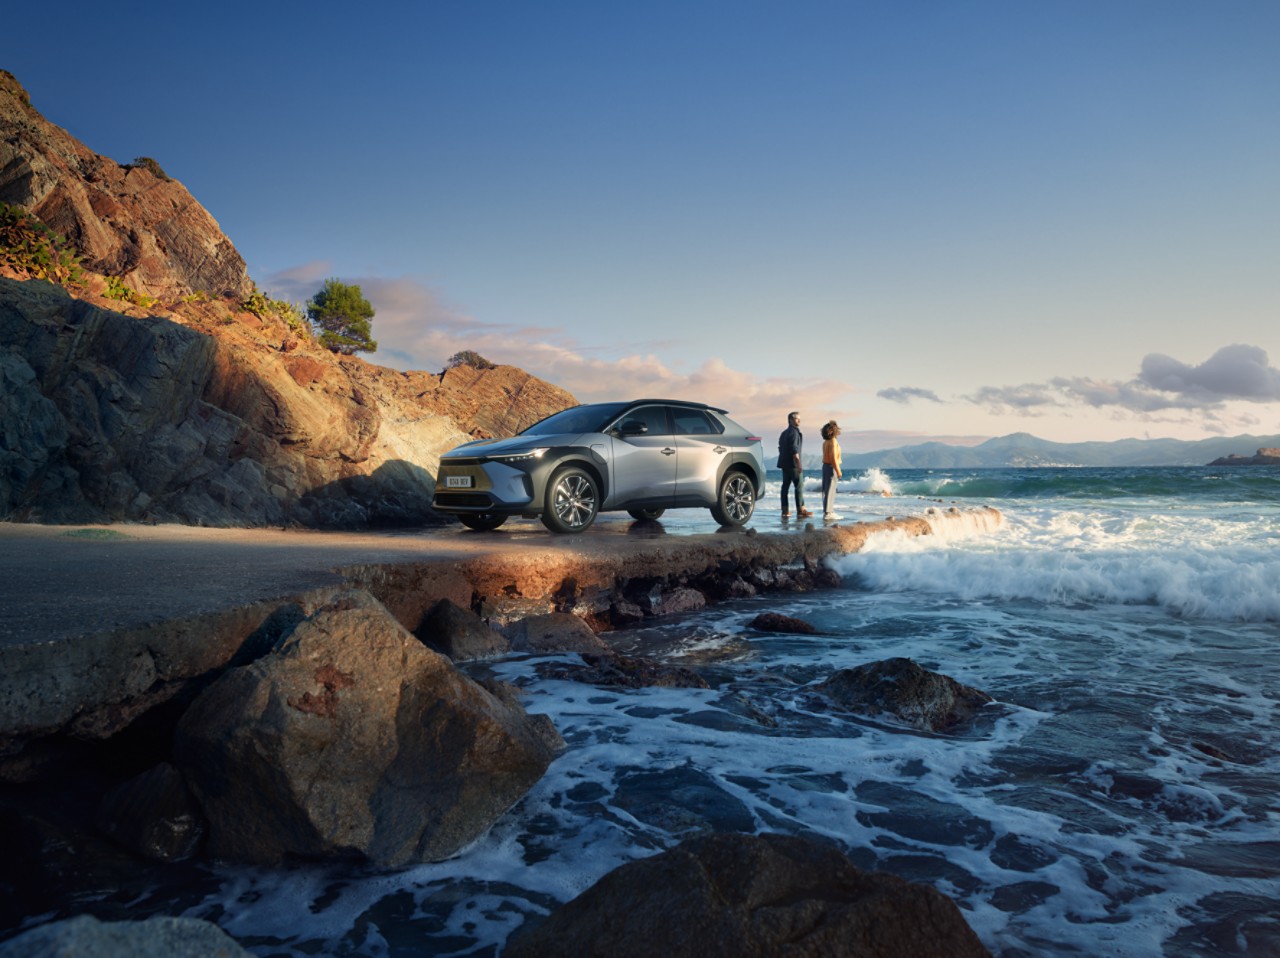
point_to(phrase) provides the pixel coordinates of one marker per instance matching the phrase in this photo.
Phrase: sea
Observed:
(1120, 797)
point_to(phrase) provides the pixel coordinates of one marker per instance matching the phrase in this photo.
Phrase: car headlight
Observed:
(520, 456)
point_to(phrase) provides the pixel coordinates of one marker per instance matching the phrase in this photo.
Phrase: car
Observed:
(643, 457)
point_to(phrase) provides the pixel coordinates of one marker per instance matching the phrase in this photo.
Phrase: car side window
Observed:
(693, 422)
(653, 417)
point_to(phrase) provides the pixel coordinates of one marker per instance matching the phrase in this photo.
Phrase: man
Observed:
(789, 445)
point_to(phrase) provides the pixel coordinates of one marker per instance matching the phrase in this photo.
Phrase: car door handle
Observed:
(668, 451)
(720, 450)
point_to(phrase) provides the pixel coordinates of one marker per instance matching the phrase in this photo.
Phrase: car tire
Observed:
(736, 500)
(572, 500)
(482, 521)
(645, 515)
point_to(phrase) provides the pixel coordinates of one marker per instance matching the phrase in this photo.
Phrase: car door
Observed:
(643, 467)
(700, 448)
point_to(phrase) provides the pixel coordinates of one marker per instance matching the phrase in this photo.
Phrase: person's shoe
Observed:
(830, 517)
(803, 513)
(786, 515)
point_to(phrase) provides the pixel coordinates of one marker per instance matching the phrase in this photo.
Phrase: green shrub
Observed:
(148, 164)
(266, 308)
(116, 289)
(29, 246)
(468, 358)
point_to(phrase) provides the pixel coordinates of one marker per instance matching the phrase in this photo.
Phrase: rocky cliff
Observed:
(182, 403)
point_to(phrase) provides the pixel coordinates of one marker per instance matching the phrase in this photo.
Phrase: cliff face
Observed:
(126, 222)
(199, 411)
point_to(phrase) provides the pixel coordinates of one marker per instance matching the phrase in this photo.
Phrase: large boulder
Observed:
(161, 937)
(900, 687)
(740, 896)
(354, 740)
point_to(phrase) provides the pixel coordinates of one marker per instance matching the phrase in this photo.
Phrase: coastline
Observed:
(98, 630)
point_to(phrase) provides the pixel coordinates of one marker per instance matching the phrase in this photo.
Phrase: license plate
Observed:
(457, 482)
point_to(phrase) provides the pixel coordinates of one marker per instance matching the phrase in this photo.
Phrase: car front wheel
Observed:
(572, 501)
(736, 500)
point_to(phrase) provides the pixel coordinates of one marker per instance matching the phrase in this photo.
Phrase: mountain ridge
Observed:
(1024, 450)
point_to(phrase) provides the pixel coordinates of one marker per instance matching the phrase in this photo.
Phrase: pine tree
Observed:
(341, 316)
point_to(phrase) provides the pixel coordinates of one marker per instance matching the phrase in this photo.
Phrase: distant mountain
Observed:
(1022, 449)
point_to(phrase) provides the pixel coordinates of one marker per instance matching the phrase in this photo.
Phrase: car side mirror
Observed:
(633, 427)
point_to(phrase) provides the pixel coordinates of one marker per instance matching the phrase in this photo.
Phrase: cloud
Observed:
(1233, 372)
(416, 328)
(1164, 385)
(1026, 399)
(905, 394)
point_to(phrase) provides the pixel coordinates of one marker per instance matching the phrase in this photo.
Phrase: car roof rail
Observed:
(678, 402)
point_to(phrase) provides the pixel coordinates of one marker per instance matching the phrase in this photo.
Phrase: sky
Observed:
(927, 220)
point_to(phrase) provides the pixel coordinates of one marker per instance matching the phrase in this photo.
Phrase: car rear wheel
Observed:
(736, 500)
(572, 500)
(482, 521)
(645, 515)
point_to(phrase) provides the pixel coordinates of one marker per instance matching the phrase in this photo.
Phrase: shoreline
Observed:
(87, 657)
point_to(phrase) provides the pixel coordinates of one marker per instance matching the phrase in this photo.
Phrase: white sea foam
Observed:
(1196, 567)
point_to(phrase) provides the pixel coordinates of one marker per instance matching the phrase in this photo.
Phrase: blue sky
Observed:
(928, 220)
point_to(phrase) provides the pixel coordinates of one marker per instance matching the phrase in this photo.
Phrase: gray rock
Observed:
(901, 688)
(460, 633)
(777, 622)
(553, 632)
(161, 937)
(153, 815)
(681, 600)
(354, 740)
(740, 896)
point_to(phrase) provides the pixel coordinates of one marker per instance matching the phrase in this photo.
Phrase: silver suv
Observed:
(644, 457)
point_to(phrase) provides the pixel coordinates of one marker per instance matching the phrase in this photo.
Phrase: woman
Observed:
(830, 469)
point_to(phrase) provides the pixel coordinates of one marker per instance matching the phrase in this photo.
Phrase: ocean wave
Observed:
(1202, 570)
(1223, 485)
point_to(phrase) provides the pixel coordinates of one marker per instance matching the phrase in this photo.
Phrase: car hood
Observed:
(508, 447)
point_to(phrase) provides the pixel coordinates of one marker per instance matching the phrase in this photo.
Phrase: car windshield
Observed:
(591, 418)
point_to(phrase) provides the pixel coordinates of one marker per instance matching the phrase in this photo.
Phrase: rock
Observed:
(354, 740)
(553, 632)
(740, 896)
(776, 622)
(826, 578)
(678, 601)
(460, 633)
(622, 671)
(1263, 457)
(153, 815)
(125, 221)
(901, 688)
(160, 937)
(625, 612)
